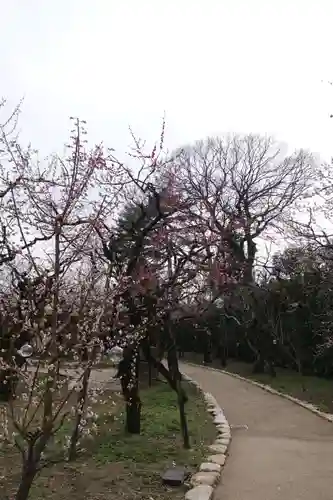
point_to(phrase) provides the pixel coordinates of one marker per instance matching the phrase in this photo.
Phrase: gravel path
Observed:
(286, 452)
(100, 377)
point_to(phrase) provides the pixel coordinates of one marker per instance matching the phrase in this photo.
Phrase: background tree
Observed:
(245, 181)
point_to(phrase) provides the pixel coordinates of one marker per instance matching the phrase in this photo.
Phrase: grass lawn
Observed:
(115, 465)
(315, 390)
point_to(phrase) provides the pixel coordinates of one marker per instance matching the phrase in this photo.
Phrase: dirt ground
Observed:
(115, 465)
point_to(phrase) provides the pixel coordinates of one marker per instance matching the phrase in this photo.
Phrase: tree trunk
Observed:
(222, 355)
(249, 264)
(129, 378)
(183, 421)
(271, 368)
(82, 397)
(8, 382)
(259, 365)
(177, 387)
(207, 348)
(27, 478)
(163, 371)
(207, 357)
(176, 375)
(181, 353)
(150, 374)
(133, 412)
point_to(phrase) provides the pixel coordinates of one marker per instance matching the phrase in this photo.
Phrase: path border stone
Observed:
(207, 478)
(268, 388)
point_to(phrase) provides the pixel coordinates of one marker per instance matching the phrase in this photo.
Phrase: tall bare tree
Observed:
(241, 187)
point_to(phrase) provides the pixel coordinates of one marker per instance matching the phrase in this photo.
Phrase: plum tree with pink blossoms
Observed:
(48, 216)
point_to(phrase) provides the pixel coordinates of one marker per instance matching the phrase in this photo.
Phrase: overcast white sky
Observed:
(211, 65)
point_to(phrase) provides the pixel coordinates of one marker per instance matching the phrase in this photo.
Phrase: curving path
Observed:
(287, 451)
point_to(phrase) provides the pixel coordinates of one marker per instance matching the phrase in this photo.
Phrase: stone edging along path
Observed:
(207, 478)
(267, 388)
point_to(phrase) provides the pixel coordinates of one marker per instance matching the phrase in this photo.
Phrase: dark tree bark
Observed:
(128, 372)
(173, 377)
(176, 376)
(30, 467)
(259, 364)
(181, 353)
(150, 374)
(222, 355)
(28, 476)
(8, 382)
(207, 348)
(133, 412)
(72, 452)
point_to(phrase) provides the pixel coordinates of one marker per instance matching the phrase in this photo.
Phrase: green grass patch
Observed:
(160, 439)
(310, 389)
(116, 465)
